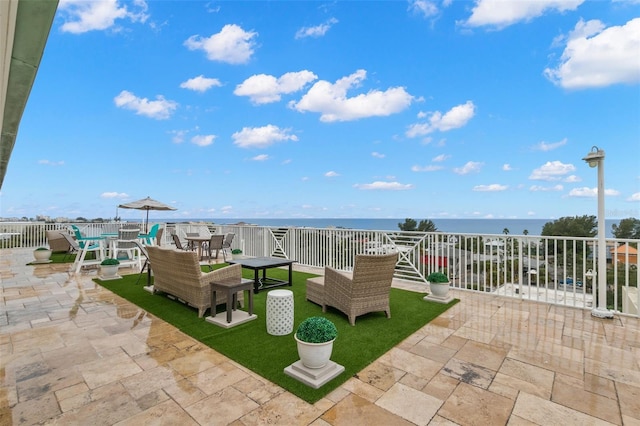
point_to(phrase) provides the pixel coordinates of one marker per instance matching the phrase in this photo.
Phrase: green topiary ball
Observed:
(316, 330)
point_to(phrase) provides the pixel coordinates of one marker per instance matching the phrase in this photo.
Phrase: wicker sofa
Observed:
(365, 290)
(178, 273)
(57, 241)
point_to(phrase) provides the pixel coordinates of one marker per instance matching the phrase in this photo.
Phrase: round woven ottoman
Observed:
(279, 312)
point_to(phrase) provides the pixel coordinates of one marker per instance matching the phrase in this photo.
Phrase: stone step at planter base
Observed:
(314, 377)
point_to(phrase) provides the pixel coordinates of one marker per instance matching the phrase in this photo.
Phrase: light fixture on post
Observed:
(595, 158)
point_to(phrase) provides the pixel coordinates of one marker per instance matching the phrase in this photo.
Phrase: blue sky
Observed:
(389, 109)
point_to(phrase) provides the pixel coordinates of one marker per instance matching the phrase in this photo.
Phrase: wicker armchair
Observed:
(367, 290)
(177, 272)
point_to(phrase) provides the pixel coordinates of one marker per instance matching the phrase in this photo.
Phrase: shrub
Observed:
(236, 251)
(316, 330)
(41, 248)
(110, 261)
(437, 277)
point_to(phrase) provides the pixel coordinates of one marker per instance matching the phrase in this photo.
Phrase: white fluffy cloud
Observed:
(262, 137)
(596, 56)
(634, 197)
(538, 188)
(51, 163)
(203, 140)
(318, 30)
(426, 8)
(160, 109)
(552, 170)
(111, 195)
(501, 13)
(263, 88)
(81, 16)
(546, 146)
(332, 102)
(232, 44)
(494, 187)
(591, 192)
(456, 117)
(200, 83)
(384, 186)
(469, 167)
(428, 168)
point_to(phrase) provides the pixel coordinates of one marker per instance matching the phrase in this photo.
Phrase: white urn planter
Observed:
(439, 291)
(109, 272)
(314, 355)
(42, 256)
(315, 345)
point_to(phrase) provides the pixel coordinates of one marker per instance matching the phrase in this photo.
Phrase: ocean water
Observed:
(463, 226)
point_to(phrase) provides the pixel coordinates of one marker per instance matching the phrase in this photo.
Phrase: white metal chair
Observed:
(81, 252)
(125, 248)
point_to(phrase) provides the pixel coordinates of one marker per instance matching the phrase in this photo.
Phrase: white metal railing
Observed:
(555, 270)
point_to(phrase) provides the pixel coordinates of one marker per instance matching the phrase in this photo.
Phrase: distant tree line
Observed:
(587, 226)
(568, 226)
(424, 225)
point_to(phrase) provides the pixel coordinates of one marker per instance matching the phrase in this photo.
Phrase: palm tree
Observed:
(505, 231)
(525, 232)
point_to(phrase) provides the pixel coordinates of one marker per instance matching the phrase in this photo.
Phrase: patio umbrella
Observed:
(146, 204)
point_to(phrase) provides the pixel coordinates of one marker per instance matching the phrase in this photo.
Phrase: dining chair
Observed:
(191, 245)
(215, 243)
(177, 242)
(226, 244)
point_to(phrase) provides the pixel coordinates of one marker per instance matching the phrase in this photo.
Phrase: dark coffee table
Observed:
(257, 264)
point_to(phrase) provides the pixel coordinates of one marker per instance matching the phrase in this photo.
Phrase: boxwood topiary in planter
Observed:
(316, 330)
(439, 288)
(314, 339)
(110, 262)
(437, 277)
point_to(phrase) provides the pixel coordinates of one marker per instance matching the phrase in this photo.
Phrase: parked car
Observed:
(569, 282)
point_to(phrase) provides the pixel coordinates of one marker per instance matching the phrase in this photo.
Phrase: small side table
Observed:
(232, 286)
(279, 312)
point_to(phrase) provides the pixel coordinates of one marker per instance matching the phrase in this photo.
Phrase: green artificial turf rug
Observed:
(250, 345)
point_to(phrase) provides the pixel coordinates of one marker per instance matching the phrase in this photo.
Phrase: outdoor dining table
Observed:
(200, 240)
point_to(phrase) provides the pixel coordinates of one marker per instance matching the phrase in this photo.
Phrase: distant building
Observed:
(625, 254)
